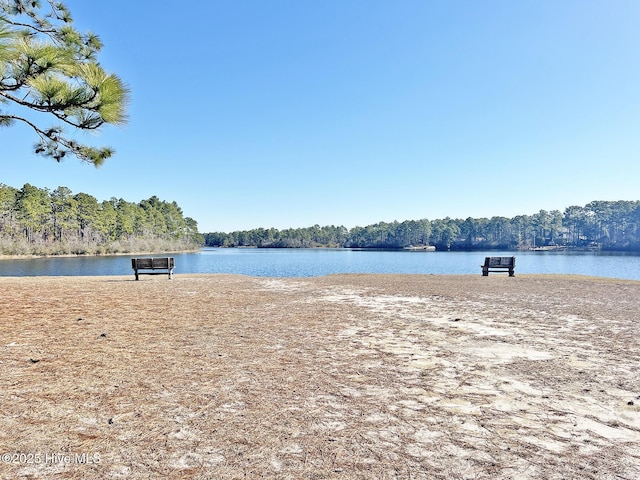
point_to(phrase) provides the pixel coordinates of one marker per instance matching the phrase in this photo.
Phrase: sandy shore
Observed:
(345, 377)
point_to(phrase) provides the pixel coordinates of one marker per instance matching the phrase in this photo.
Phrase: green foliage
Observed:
(48, 70)
(600, 224)
(40, 221)
(381, 235)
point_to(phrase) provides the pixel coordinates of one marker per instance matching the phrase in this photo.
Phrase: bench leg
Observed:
(485, 272)
(171, 274)
(136, 274)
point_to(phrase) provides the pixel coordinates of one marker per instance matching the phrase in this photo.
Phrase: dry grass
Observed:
(345, 377)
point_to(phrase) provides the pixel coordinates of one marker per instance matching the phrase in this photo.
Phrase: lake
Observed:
(315, 262)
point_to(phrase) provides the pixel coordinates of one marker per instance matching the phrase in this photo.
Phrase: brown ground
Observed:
(345, 377)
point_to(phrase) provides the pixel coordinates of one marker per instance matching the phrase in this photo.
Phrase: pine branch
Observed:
(53, 144)
(48, 67)
(58, 111)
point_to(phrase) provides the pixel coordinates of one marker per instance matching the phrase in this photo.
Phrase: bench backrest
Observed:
(152, 263)
(500, 262)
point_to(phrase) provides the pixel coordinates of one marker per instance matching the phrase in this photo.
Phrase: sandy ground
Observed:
(339, 377)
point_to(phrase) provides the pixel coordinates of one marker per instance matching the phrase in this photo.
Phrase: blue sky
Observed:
(287, 113)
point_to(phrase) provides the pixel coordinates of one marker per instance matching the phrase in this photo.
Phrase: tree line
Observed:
(612, 225)
(39, 221)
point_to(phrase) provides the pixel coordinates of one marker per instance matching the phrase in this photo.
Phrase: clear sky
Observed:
(290, 113)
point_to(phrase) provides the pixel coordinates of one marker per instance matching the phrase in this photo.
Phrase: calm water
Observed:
(316, 262)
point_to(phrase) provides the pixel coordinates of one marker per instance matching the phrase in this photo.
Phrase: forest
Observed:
(39, 221)
(607, 225)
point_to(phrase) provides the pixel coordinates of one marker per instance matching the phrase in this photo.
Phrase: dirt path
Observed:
(349, 376)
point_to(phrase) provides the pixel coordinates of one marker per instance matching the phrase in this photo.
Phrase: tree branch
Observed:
(41, 133)
(50, 32)
(51, 140)
(56, 110)
(49, 67)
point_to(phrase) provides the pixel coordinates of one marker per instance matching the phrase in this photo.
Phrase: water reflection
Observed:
(315, 262)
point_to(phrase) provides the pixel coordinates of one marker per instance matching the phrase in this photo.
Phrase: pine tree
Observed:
(49, 72)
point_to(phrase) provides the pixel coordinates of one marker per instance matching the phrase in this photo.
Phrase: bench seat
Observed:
(166, 264)
(499, 264)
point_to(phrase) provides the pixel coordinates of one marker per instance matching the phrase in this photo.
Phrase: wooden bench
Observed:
(498, 264)
(153, 264)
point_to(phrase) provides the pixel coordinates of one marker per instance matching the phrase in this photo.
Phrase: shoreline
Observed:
(74, 255)
(550, 277)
